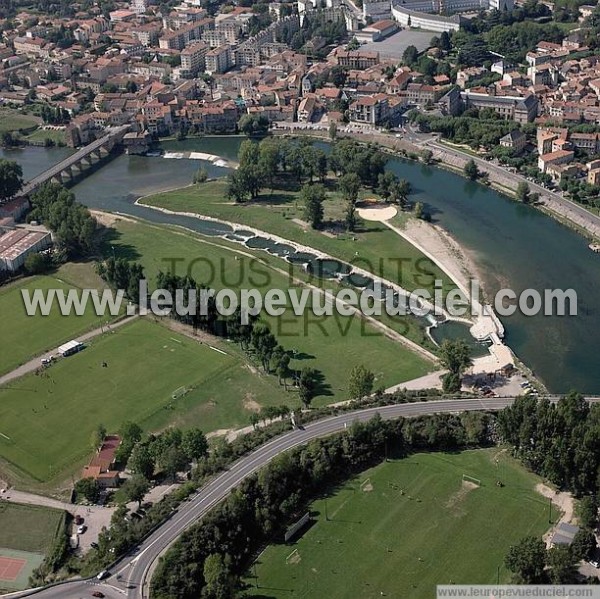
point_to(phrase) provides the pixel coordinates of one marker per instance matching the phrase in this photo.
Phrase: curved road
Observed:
(130, 577)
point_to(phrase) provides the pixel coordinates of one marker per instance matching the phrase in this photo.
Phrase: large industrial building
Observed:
(16, 245)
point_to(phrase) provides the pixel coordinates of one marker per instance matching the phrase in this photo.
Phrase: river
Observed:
(513, 245)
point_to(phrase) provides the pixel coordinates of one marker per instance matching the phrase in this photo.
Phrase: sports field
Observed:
(26, 534)
(403, 527)
(47, 420)
(24, 337)
(321, 341)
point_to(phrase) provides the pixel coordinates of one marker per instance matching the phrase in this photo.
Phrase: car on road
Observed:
(47, 361)
(102, 575)
(97, 594)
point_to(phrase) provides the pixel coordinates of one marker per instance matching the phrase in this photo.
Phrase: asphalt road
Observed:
(571, 209)
(131, 576)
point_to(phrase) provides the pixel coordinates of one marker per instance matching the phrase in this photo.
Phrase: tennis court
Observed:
(16, 567)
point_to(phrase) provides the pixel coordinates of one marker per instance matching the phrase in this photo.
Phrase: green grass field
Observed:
(13, 120)
(24, 337)
(321, 340)
(56, 135)
(49, 419)
(412, 526)
(374, 247)
(28, 527)
(27, 533)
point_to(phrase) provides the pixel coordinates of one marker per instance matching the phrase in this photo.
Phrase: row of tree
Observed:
(254, 337)
(209, 558)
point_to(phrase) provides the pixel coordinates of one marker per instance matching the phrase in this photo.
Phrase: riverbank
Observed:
(454, 160)
(447, 255)
(438, 245)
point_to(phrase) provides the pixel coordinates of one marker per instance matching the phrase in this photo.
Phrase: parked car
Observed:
(47, 361)
(97, 594)
(81, 529)
(78, 519)
(94, 545)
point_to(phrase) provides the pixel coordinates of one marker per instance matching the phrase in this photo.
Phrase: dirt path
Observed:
(35, 363)
(563, 502)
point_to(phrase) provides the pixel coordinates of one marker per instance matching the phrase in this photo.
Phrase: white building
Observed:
(139, 7)
(16, 245)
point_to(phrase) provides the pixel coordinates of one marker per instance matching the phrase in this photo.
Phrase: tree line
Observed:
(210, 557)
(255, 337)
(558, 441)
(281, 163)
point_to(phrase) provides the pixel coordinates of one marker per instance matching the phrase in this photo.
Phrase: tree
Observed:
(587, 511)
(8, 139)
(526, 560)
(219, 583)
(36, 264)
(523, 192)
(135, 488)
(386, 182)
(252, 125)
(141, 461)
(410, 55)
(360, 383)
(11, 179)
(88, 488)
(584, 544)
(98, 436)
(194, 444)
(307, 385)
(349, 185)
(471, 170)
(312, 196)
(419, 210)
(456, 357)
(173, 461)
(350, 216)
(332, 130)
(268, 159)
(353, 44)
(427, 156)
(72, 223)
(562, 565)
(201, 175)
(402, 190)
(282, 368)
(445, 44)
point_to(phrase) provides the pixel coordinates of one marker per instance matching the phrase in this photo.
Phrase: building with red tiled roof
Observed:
(101, 467)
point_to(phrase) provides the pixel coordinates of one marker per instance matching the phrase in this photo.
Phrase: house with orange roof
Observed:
(102, 466)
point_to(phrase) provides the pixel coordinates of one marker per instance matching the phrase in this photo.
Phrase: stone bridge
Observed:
(71, 167)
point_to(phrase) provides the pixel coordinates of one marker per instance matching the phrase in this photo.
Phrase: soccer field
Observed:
(26, 336)
(46, 421)
(333, 345)
(412, 525)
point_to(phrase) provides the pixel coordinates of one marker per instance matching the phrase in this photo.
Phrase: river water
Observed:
(513, 245)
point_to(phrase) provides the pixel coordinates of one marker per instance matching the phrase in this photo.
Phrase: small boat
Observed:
(595, 247)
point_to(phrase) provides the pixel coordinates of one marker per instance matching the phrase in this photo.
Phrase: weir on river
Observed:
(512, 244)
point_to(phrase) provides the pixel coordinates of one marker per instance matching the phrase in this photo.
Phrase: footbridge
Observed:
(72, 167)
